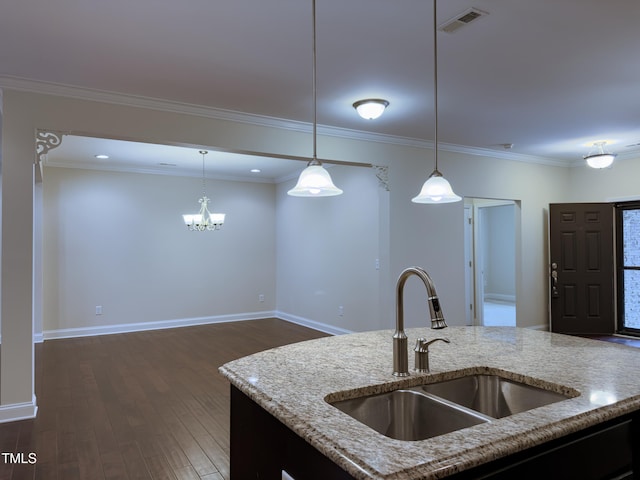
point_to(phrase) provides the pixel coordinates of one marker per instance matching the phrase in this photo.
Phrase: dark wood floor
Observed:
(628, 341)
(147, 405)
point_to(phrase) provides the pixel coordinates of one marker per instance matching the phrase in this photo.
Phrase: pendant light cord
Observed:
(435, 85)
(315, 102)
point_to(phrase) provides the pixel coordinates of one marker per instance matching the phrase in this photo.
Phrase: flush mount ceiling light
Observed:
(600, 159)
(436, 189)
(314, 181)
(370, 108)
(204, 219)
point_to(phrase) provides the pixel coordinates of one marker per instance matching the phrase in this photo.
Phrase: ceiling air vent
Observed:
(465, 18)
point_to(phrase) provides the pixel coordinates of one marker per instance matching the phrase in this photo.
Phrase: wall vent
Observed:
(465, 18)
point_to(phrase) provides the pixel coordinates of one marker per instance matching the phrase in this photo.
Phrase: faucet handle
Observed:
(422, 353)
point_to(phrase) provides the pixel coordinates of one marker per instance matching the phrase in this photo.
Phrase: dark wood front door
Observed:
(582, 268)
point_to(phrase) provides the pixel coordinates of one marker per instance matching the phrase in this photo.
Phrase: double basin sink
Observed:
(428, 410)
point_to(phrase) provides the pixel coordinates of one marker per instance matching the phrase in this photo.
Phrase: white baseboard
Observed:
(500, 297)
(142, 326)
(185, 322)
(18, 411)
(305, 322)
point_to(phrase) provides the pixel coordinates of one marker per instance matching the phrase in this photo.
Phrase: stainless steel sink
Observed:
(429, 410)
(493, 395)
(409, 414)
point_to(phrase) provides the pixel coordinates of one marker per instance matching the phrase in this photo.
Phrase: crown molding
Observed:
(82, 93)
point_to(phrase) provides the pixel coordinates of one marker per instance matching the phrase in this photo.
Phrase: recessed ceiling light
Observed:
(101, 156)
(255, 170)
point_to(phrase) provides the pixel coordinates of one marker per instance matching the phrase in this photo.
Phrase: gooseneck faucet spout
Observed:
(400, 351)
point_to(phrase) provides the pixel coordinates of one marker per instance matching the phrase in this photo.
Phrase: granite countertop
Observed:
(292, 383)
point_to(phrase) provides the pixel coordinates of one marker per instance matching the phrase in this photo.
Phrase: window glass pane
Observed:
(631, 296)
(631, 237)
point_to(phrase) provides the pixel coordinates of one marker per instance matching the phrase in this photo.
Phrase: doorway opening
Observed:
(628, 262)
(491, 228)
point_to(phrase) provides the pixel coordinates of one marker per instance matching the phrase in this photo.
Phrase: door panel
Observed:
(582, 269)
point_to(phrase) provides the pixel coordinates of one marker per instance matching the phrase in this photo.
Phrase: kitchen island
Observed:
(281, 419)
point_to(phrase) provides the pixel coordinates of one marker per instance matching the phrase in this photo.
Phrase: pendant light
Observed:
(314, 181)
(436, 189)
(600, 159)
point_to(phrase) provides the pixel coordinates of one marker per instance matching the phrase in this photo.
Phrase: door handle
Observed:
(554, 277)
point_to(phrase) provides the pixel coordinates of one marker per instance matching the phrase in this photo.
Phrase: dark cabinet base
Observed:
(262, 447)
(606, 451)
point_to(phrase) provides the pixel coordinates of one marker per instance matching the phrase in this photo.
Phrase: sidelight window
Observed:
(628, 259)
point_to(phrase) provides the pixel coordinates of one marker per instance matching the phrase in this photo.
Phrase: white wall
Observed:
(498, 226)
(117, 240)
(327, 252)
(621, 180)
(432, 236)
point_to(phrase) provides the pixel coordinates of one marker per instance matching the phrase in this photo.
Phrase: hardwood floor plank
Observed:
(187, 473)
(172, 451)
(66, 442)
(69, 471)
(141, 405)
(46, 444)
(218, 455)
(134, 461)
(159, 468)
(89, 460)
(46, 471)
(113, 466)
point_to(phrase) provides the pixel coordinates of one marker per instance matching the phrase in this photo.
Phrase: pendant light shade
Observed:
(314, 181)
(436, 190)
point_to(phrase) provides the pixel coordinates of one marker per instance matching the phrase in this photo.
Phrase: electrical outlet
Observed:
(341, 310)
(261, 298)
(98, 309)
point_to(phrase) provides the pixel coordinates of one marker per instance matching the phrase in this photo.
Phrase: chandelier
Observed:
(204, 219)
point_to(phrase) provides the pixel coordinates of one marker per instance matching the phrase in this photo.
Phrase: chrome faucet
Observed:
(400, 354)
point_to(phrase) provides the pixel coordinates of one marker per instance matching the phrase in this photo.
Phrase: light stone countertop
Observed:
(292, 382)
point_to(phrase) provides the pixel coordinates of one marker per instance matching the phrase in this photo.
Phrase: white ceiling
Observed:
(549, 76)
(80, 152)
